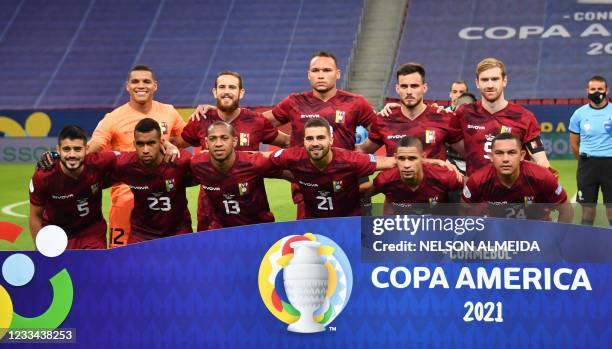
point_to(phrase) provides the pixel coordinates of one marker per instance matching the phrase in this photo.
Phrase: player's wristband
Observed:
(535, 145)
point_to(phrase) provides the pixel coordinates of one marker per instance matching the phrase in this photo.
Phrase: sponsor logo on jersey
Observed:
(244, 139)
(243, 188)
(430, 136)
(137, 187)
(94, 188)
(278, 152)
(228, 196)
(339, 116)
(398, 137)
(489, 138)
(62, 197)
(309, 116)
(313, 185)
(476, 127)
(505, 129)
(337, 185)
(205, 187)
(169, 184)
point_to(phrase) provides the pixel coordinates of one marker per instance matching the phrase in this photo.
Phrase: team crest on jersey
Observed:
(94, 188)
(339, 116)
(337, 185)
(243, 188)
(505, 129)
(559, 190)
(244, 139)
(430, 136)
(528, 200)
(169, 184)
(164, 127)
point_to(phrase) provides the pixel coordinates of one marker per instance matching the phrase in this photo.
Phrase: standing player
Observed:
(251, 128)
(327, 176)
(70, 195)
(413, 118)
(116, 131)
(591, 142)
(232, 180)
(481, 121)
(413, 186)
(458, 87)
(511, 186)
(160, 201)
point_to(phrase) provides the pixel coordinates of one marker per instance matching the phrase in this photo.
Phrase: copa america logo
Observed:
(305, 281)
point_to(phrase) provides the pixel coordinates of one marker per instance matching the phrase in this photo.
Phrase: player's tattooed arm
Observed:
(282, 140)
(367, 189)
(200, 112)
(36, 219)
(268, 115)
(367, 147)
(385, 163)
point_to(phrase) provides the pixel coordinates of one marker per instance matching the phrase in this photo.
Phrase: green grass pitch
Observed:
(15, 179)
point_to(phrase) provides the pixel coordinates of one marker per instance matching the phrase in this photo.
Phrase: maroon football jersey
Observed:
(344, 112)
(480, 127)
(251, 129)
(73, 204)
(433, 128)
(238, 196)
(333, 191)
(535, 185)
(437, 182)
(160, 202)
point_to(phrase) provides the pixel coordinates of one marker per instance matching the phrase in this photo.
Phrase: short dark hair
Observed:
(221, 123)
(600, 79)
(232, 73)
(460, 82)
(141, 67)
(325, 54)
(505, 136)
(318, 122)
(410, 141)
(72, 132)
(147, 125)
(410, 68)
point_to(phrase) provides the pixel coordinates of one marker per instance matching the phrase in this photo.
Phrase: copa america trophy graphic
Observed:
(305, 280)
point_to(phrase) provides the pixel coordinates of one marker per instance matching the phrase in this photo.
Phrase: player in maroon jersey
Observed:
(413, 186)
(70, 195)
(233, 180)
(413, 118)
(327, 176)
(251, 128)
(513, 188)
(160, 201)
(481, 121)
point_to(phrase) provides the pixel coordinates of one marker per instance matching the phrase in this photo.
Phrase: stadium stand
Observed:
(74, 53)
(550, 47)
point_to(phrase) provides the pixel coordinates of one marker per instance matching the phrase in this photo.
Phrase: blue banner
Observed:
(225, 289)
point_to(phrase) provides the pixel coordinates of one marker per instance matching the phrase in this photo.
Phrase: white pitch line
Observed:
(9, 209)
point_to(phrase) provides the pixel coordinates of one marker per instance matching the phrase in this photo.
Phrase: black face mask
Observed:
(597, 97)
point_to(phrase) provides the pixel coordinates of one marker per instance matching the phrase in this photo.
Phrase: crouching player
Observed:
(413, 186)
(514, 188)
(160, 201)
(70, 195)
